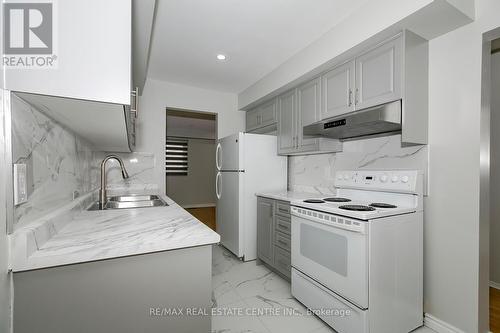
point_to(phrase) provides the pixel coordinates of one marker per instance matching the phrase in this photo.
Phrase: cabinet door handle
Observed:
(135, 108)
(350, 97)
(356, 98)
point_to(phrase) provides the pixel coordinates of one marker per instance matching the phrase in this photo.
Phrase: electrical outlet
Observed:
(20, 184)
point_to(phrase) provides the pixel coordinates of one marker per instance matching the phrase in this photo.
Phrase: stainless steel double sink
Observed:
(131, 201)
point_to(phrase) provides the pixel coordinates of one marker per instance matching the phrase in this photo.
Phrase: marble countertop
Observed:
(288, 195)
(97, 235)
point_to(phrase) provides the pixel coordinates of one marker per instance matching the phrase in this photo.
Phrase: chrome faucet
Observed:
(103, 198)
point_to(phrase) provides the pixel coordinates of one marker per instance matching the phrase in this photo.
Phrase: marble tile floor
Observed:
(241, 290)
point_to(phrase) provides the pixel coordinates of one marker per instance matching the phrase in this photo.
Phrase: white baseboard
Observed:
(205, 205)
(439, 326)
(494, 284)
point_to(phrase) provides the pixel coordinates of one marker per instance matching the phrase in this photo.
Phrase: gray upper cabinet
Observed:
(309, 108)
(263, 118)
(287, 138)
(396, 69)
(265, 229)
(268, 113)
(379, 75)
(296, 109)
(338, 90)
(252, 119)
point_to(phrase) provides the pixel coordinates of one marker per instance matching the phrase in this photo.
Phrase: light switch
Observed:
(20, 184)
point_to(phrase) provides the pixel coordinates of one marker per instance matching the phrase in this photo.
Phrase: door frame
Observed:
(181, 110)
(484, 183)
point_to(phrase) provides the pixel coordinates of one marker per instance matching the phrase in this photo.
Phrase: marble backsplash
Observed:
(140, 168)
(316, 173)
(59, 164)
(62, 166)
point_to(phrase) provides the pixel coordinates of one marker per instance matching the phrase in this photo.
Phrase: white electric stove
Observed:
(361, 251)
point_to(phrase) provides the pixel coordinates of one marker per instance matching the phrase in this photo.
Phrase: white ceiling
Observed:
(256, 35)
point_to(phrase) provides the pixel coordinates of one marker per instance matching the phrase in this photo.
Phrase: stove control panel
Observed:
(380, 180)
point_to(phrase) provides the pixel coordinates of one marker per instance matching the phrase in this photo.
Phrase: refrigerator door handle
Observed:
(217, 189)
(217, 156)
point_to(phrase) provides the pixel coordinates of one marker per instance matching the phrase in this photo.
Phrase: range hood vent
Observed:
(380, 119)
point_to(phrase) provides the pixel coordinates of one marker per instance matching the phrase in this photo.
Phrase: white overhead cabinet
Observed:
(95, 73)
(93, 45)
(262, 119)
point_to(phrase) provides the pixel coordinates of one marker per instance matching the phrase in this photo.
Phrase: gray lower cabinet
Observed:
(130, 294)
(265, 226)
(274, 234)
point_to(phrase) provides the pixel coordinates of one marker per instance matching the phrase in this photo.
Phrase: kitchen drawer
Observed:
(282, 240)
(313, 295)
(283, 225)
(283, 208)
(282, 261)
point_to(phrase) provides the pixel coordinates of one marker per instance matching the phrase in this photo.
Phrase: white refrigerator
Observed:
(246, 164)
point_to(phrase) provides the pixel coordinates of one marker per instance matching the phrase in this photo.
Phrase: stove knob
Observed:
(394, 179)
(405, 179)
(384, 178)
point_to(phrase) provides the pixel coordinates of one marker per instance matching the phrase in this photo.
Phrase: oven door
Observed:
(334, 255)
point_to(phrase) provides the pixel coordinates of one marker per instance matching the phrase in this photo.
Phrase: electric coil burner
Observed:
(357, 208)
(313, 201)
(382, 205)
(337, 199)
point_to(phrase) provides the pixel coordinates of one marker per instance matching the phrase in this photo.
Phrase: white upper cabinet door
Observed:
(379, 75)
(338, 90)
(286, 123)
(253, 119)
(268, 113)
(308, 100)
(93, 44)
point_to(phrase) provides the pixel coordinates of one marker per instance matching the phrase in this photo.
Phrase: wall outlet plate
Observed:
(20, 184)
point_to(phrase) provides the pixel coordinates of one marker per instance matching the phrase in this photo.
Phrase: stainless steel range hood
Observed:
(381, 119)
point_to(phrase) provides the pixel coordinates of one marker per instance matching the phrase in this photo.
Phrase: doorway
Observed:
(489, 270)
(190, 162)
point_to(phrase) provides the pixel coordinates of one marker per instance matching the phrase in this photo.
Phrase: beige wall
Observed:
(198, 187)
(495, 171)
